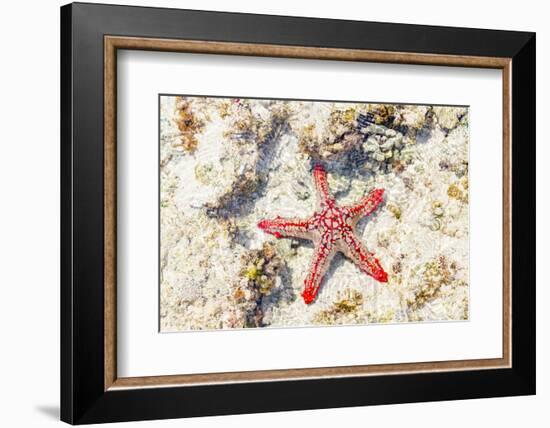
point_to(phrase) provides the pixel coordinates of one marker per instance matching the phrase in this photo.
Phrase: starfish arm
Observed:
(367, 205)
(321, 184)
(321, 260)
(286, 228)
(365, 260)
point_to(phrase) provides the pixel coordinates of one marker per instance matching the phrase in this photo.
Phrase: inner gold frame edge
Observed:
(112, 43)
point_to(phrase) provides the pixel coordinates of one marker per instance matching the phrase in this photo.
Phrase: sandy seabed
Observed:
(227, 163)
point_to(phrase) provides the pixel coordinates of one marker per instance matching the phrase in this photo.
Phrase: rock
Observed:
(339, 183)
(438, 212)
(398, 139)
(374, 139)
(375, 129)
(413, 116)
(386, 146)
(370, 147)
(379, 157)
(449, 117)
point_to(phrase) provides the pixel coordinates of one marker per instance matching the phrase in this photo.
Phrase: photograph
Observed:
(281, 213)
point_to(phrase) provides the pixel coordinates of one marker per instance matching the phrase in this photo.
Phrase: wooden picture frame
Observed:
(91, 391)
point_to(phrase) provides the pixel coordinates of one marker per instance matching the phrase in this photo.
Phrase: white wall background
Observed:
(29, 213)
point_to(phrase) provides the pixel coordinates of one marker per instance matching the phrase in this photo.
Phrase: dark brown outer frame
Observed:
(113, 43)
(90, 36)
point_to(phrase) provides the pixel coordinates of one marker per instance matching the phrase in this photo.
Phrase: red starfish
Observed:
(331, 229)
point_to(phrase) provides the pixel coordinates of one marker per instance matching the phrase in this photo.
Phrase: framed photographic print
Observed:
(265, 213)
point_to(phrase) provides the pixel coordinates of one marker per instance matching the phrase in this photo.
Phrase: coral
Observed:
(449, 117)
(260, 273)
(411, 117)
(434, 274)
(365, 137)
(346, 305)
(383, 114)
(385, 148)
(188, 125)
(395, 210)
(459, 190)
(256, 122)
